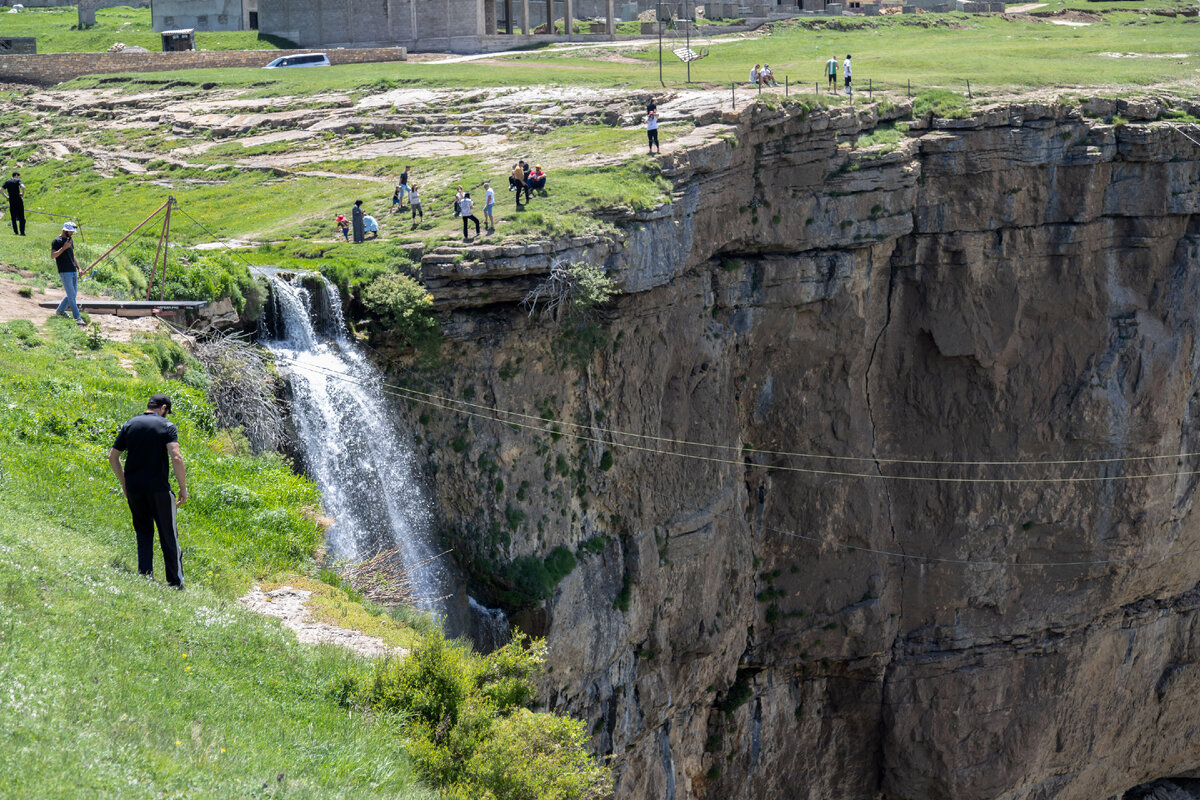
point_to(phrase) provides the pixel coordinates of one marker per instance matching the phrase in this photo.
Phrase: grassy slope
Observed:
(56, 33)
(114, 687)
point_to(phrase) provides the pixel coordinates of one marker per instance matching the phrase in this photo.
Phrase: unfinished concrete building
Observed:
(202, 15)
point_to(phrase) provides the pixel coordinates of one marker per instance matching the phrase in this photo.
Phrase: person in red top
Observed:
(150, 442)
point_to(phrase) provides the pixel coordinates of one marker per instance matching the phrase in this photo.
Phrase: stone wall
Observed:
(51, 68)
(428, 24)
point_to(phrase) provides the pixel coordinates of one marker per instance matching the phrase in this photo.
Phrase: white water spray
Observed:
(365, 468)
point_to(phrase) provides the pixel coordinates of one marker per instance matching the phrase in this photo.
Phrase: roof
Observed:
(183, 32)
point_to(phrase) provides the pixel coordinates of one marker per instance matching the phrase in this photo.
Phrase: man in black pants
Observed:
(150, 441)
(16, 202)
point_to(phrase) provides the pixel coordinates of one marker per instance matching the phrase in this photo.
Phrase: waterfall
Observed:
(364, 467)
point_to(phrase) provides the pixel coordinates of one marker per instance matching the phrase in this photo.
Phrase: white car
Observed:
(306, 60)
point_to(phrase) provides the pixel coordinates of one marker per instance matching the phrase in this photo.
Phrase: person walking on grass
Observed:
(489, 202)
(16, 202)
(150, 442)
(846, 67)
(652, 131)
(516, 181)
(831, 74)
(62, 250)
(414, 202)
(465, 207)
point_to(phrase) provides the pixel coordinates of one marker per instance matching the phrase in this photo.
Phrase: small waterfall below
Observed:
(364, 466)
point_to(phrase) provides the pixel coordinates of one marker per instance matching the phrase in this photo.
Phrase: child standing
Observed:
(343, 225)
(489, 200)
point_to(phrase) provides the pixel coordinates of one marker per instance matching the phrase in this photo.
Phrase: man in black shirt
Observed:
(150, 442)
(16, 202)
(62, 250)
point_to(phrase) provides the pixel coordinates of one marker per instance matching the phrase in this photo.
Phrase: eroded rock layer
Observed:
(786, 610)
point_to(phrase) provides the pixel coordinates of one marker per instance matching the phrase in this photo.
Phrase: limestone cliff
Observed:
(1023, 285)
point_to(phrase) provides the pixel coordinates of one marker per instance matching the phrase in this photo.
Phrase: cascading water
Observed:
(364, 467)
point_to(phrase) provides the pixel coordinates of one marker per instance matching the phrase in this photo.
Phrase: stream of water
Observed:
(364, 467)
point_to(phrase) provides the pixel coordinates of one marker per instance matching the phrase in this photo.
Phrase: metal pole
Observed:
(688, 40)
(869, 89)
(968, 89)
(733, 95)
(785, 85)
(154, 267)
(162, 287)
(658, 15)
(909, 92)
(126, 236)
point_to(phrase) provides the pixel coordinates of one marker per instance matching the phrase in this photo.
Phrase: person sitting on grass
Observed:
(756, 75)
(767, 77)
(537, 179)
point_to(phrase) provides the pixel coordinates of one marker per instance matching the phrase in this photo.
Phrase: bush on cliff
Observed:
(400, 308)
(469, 726)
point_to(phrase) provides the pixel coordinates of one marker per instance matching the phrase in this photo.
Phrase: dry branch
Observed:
(385, 579)
(243, 390)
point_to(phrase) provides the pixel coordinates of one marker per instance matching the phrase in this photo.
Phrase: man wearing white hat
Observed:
(62, 250)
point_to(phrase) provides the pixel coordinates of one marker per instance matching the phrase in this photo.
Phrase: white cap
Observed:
(70, 227)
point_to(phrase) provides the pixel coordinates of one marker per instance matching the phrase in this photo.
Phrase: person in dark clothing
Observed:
(16, 202)
(356, 216)
(150, 442)
(466, 210)
(62, 250)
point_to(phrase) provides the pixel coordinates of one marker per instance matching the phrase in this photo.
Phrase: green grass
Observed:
(118, 687)
(931, 51)
(60, 408)
(57, 31)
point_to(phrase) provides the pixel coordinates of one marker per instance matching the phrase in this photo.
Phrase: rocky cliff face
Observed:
(786, 610)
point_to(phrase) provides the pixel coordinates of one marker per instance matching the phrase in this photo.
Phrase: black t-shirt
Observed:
(145, 439)
(66, 259)
(404, 178)
(13, 187)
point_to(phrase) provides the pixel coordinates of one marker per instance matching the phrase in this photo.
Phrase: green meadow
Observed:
(57, 31)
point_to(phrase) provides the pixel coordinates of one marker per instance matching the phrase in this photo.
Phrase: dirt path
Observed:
(14, 306)
(287, 605)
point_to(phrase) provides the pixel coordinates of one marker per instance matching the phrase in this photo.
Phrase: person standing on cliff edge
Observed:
(150, 441)
(846, 67)
(16, 202)
(831, 73)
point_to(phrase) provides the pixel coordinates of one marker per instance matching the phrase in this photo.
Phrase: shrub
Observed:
(470, 728)
(402, 308)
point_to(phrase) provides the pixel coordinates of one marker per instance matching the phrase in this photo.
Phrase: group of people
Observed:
(523, 179)
(831, 72)
(360, 222)
(527, 180)
(761, 75)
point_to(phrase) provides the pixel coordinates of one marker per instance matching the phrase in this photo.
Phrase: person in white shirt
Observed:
(767, 77)
(465, 207)
(414, 202)
(489, 200)
(846, 68)
(652, 131)
(756, 74)
(831, 73)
